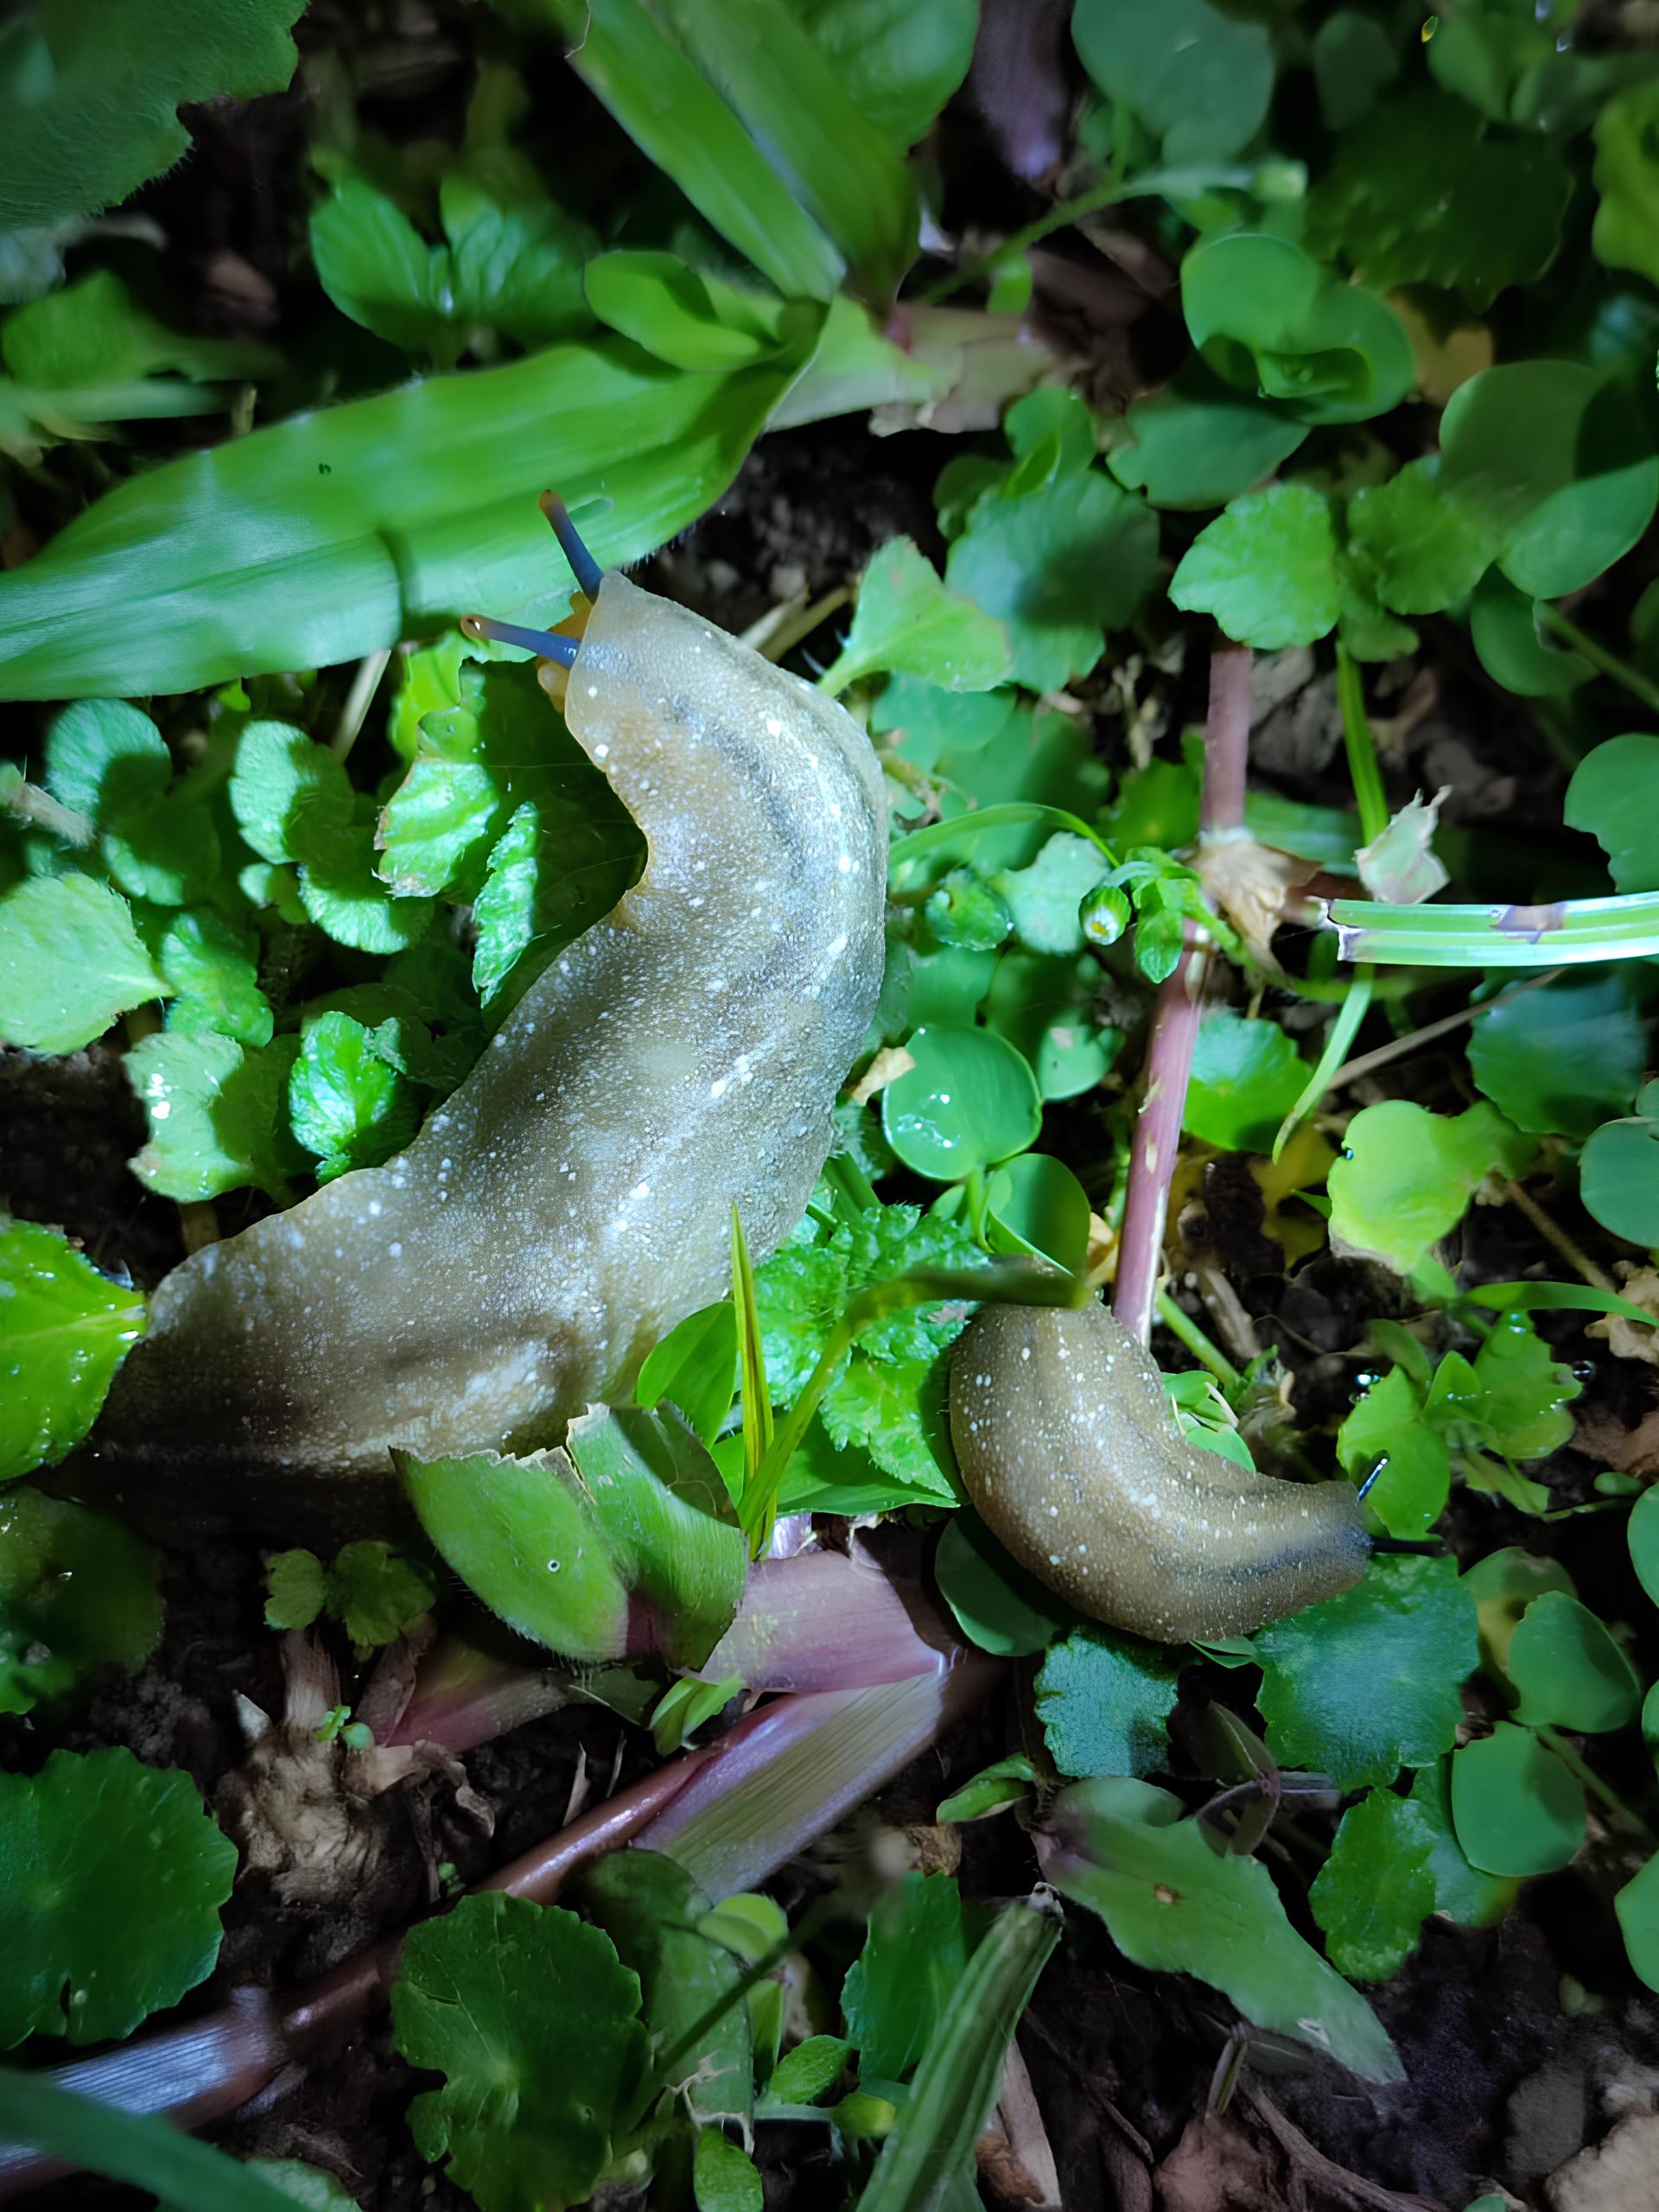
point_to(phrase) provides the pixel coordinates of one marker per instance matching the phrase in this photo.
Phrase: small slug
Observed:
(573, 1200)
(1067, 1448)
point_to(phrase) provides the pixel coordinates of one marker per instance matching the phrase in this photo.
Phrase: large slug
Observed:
(573, 1200)
(1066, 1446)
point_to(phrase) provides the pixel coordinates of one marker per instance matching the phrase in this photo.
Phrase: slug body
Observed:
(1067, 1448)
(573, 1200)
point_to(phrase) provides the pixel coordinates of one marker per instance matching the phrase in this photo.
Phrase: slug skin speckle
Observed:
(1066, 1446)
(573, 1200)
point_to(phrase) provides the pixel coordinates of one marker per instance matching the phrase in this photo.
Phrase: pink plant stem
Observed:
(1175, 1013)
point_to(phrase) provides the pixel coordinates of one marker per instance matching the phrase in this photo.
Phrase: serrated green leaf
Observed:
(487, 1995)
(212, 964)
(1104, 1701)
(1058, 567)
(345, 1103)
(1420, 547)
(376, 1593)
(1368, 1682)
(77, 1593)
(70, 962)
(557, 868)
(1375, 1890)
(1043, 899)
(111, 1878)
(1496, 219)
(907, 622)
(217, 1113)
(1385, 1437)
(66, 1329)
(1266, 569)
(1527, 1389)
(296, 1587)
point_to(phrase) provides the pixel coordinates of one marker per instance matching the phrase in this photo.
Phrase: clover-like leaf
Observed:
(66, 1329)
(1368, 1682)
(532, 2020)
(1419, 546)
(968, 1102)
(111, 1878)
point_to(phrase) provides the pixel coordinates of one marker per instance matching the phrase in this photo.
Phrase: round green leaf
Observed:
(1618, 1179)
(1559, 1058)
(77, 1593)
(1246, 1076)
(1637, 1907)
(969, 1102)
(1517, 1808)
(531, 2018)
(1197, 78)
(1614, 794)
(1568, 1671)
(1644, 1535)
(66, 1329)
(1514, 651)
(997, 1604)
(1266, 569)
(1267, 317)
(1037, 1204)
(111, 1878)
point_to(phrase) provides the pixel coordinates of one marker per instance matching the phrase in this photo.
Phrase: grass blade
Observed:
(131, 2146)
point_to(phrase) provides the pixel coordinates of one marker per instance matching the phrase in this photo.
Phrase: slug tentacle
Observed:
(573, 1200)
(1067, 1448)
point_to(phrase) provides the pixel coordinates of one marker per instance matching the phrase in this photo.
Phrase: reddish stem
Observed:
(1175, 1013)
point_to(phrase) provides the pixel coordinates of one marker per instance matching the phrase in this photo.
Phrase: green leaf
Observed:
(1614, 794)
(1637, 1907)
(1036, 1204)
(1375, 1890)
(1527, 1390)
(899, 1987)
(142, 2148)
(67, 1329)
(1642, 1533)
(212, 964)
(1565, 1055)
(1618, 1178)
(1369, 1681)
(897, 63)
(296, 1585)
(1198, 80)
(651, 1909)
(77, 1593)
(90, 98)
(1517, 1808)
(1058, 566)
(969, 1102)
(160, 586)
(995, 1604)
(1172, 1903)
(217, 1115)
(1420, 547)
(1199, 443)
(1246, 1076)
(1556, 458)
(1514, 650)
(1266, 569)
(1462, 1893)
(1386, 1435)
(723, 2176)
(345, 1103)
(810, 2071)
(907, 621)
(375, 1593)
(1406, 1175)
(557, 869)
(377, 269)
(1043, 899)
(695, 1368)
(530, 2017)
(1627, 179)
(1047, 1009)
(1272, 322)
(956, 2084)
(106, 760)
(1006, 1781)
(1569, 1672)
(1104, 1701)
(1353, 64)
(1496, 218)
(569, 1546)
(111, 1878)
(70, 962)
(685, 316)
(516, 256)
